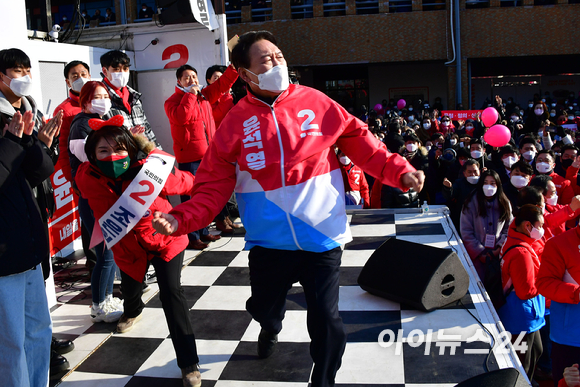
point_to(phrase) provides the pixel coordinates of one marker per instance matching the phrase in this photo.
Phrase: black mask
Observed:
(566, 163)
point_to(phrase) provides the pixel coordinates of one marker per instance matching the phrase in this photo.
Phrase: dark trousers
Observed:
(529, 359)
(192, 167)
(545, 361)
(174, 306)
(272, 273)
(563, 356)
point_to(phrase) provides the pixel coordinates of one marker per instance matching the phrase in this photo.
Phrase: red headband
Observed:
(96, 123)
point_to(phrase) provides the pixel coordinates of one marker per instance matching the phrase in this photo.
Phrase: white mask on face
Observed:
(100, 106)
(539, 112)
(344, 160)
(529, 155)
(78, 84)
(552, 114)
(537, 233)
(274, 80)
(427, 125)
(515, 118)
(428, 147)
(453, 142)
(552, 201)
(519, 181)
(412, 147)
(543, 167)
(489, 190)
(21, 87)
(509, 161)
(410, 109)
(476, 154)
(411, 118)
(472, 179)
(119, 79)
(530, 105)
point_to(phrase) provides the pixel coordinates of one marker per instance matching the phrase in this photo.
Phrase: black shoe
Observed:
(58, 363)
(266, 343)
(61, 346)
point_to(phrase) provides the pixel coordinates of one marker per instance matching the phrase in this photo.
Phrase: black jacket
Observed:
(24, 164)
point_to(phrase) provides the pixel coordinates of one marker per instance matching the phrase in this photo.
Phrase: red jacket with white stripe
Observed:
(287, 180)
(191, 117)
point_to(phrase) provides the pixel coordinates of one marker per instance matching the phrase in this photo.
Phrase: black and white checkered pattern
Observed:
(216, 285)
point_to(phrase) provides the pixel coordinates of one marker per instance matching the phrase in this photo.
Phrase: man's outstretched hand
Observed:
(413, 180)
(164, 223)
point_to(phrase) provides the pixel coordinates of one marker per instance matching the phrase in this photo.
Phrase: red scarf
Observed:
(122, 93)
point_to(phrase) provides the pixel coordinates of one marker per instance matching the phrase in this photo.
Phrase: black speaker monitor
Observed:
(507, 377)
(422, 276)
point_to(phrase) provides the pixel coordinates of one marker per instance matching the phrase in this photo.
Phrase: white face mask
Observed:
(552, 201)
(119, 79)
(453, 141)
(21, 87)
(469, 128)
(537, 233)
(472, 179)
(476, 154)
(515, 118)
(571, 118)
(412, 147)
(410, 109)
(100, 106)
(552, 114)
(411, 118)
(489, 190)
(543, 167)
(539, 112)
(445, 123)
(530, 105)
(427, 125)
(344, 160)
(78, 84)
(519, 181)
(428, 147)
(529, 155)
(462, 145)
(274, 80)
(509, 161)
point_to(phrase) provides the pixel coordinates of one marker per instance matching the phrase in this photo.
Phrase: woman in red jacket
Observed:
(115, 158)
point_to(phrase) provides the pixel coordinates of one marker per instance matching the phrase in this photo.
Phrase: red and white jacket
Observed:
(287, 179)
(191, 117)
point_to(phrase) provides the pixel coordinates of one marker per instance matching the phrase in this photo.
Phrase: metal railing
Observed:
(367, 7)
(334, 8)
(261, 14)
(302, 11)
(434, 5)
(234, 16)
(400, 6)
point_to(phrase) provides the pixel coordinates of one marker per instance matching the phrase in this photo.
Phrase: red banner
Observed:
(64, 226)
(461, 114)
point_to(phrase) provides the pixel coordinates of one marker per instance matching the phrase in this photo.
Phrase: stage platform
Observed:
(216, 284)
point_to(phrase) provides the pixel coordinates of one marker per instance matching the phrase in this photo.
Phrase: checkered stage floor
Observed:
(216, 284)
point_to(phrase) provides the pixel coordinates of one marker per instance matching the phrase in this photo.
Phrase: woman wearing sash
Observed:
(115, 159)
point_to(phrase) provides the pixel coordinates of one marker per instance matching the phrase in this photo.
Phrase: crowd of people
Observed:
(517, 204)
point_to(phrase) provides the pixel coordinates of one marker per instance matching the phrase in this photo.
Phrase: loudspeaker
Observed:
(175, 11)
(507, 377)
(422, 276)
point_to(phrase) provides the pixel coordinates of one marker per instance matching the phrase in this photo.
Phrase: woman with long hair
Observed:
(485, 220)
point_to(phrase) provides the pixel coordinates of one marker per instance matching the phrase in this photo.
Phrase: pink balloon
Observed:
(497, 135)
(401, 104)
(378, 107)
(489, 117)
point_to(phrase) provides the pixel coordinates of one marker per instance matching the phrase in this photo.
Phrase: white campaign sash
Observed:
(136, 200)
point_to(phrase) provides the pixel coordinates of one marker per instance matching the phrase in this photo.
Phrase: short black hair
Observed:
(181, 69)
(241, 52)
(468, 163)
(568, 147)
(72, 64)
(13, 57)
(508, 149)
(528, 140)
(411, 137)
(115, 58)
(541, 183)
(209, 72)
(523, 166)
(548, 152)
(529, 195)
(529, 212)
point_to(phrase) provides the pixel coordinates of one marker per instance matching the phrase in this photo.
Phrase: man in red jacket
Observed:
(277, 153)
(224, 104)
(190, 114)
(76, 74)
